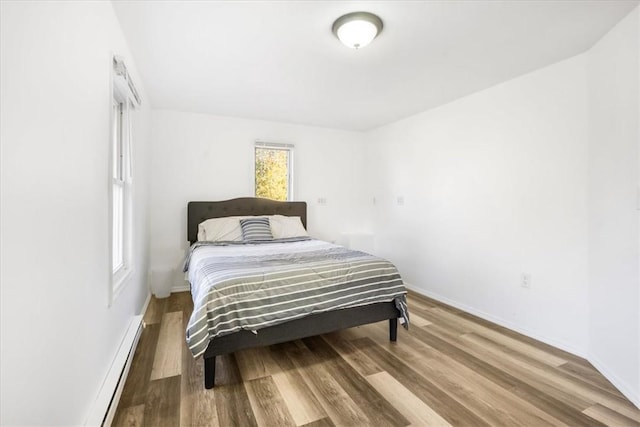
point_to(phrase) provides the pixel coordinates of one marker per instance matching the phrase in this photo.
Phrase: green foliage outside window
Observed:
(272, 173)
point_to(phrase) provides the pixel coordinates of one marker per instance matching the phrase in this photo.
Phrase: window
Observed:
(273, 171)
(124, 101)
(119, 186)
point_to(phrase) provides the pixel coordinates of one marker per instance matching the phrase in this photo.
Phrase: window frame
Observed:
(124, 101)
(118, 197)
(289, 148)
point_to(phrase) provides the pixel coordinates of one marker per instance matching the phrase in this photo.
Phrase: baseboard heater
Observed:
(104, 408)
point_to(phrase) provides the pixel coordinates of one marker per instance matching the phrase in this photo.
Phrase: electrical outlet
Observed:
(322, 200)
(400, 200)
(525, 280)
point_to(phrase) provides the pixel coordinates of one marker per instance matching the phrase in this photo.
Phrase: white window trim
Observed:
(277, 146)
(124, 94)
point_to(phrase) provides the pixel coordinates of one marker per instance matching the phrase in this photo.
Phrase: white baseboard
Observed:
(499, 321)
(622, 386)
(174, 289)
(181, 288)
(146, 304)
(104, 407)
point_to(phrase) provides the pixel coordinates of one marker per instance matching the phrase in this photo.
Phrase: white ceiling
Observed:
(278, 60)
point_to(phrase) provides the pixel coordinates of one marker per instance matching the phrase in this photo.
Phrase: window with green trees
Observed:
(273, 164)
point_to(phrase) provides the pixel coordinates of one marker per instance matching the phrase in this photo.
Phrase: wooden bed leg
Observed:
(393, 329)
(209, 372)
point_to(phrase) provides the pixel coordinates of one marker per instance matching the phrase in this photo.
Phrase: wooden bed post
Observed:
(209, 372)
(393, 329)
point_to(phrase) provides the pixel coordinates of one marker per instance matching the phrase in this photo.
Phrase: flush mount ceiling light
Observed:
(357, 29)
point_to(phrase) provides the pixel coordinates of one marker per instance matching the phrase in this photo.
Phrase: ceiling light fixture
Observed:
(357, 29)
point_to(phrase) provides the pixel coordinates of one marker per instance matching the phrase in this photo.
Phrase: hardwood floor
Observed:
(450, 368)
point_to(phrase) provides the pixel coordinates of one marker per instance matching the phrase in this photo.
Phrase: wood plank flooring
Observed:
(449, 369)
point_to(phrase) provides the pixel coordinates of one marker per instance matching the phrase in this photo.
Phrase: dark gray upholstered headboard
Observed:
(198, 212)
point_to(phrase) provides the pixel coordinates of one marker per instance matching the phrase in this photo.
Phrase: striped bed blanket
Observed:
(253, 286)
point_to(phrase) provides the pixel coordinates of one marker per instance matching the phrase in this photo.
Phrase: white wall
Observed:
(205, 157)
(614, 137)
(58, 335)
(536, 175)
(494, 186)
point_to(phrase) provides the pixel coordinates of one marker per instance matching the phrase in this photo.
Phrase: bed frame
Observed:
(315, 324)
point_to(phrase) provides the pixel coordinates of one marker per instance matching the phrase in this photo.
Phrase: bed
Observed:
(297, 325)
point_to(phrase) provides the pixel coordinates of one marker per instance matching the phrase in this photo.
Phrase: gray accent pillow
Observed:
(256, 229)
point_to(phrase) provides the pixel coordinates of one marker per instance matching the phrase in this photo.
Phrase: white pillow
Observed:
(283, 227)
(226, 229)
